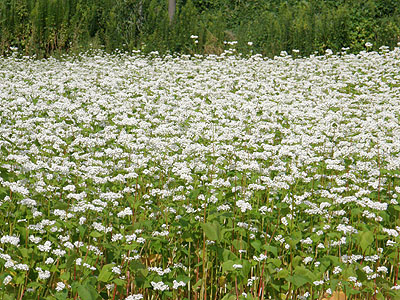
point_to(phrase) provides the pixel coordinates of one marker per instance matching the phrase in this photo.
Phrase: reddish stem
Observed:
(115, 290)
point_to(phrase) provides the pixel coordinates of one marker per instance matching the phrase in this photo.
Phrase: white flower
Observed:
(23, 267)
(60, 286)
(86, 265)
(177, 284)
(237, 266)
(134, 297)
(49, 261)
(43, 274)
(7, 279)
(329, 291)
(140, 240)
(126, 212)
(261, 258)
(223, 207)
(382, 269)
(319, 282)
(251, 280)
(337, 270)
(9, 264)
(395, 287)
(117, 237)
(10, 239)
(307, 241)
(34, 239)
(46, 247)
(159, 286)
(367, 270)
(264, 209)
(390, 243)
(243, 205)
(352, 279)
(59, 252)
(116, 270)
(307, 260)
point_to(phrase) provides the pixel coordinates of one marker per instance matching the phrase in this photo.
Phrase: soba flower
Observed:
(243, 205)
(159, 286)
(134, 297)
(7, 279)
(60, 286)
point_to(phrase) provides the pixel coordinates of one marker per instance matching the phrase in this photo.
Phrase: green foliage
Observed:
(45, 27)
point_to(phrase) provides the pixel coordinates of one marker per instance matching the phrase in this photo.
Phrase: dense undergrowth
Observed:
(48, 27)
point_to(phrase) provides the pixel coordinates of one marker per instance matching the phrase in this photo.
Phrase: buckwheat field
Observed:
(188, 177)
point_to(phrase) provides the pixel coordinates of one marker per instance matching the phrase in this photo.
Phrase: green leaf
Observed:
(379, 296)
(334, 259)
(325, 263)
(366, 239)
(296, 260)
(71, 259)
(24, 252)
(183, 278)
(276, 261)
(212, 230)
(238, 244)
(105, 273)
(227, 266)
(361, 275)
(9, 297)
(256, 245)
(95, 234)
(229, 297)
(198, 284)
(351, 291)
(333, 284)
(84, 293)
(246, 268)
(298, 280)
(272, 250)
(144, 272)
(302, 271)
(65, 276)
(19, 279)
(61, 295)
(34, 285)
(228, 255)
(119, 282)
(282, 274)
(137, 265)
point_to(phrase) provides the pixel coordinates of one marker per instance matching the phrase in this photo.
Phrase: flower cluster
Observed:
(114, 165)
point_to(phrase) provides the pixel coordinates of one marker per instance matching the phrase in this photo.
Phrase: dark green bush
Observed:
(46, 27)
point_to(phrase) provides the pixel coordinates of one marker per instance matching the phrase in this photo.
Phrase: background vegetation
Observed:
(45, 27)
